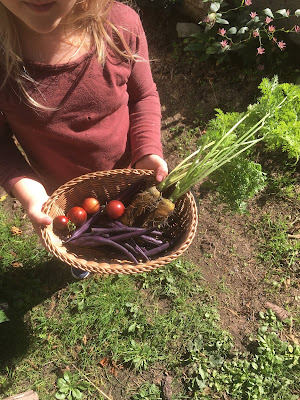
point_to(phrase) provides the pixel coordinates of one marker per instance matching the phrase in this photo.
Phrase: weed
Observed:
(140, 355)
(148, 391)
(254, 375)
(174, 281)
(69, 388)
(276, 250)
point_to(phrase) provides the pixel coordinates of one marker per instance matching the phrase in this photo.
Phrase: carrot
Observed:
(192, 170)
(163, 209)
(142, 202)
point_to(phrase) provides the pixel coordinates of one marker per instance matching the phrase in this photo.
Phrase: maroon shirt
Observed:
(107, 116)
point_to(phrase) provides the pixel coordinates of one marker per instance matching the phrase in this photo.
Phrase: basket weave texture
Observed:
(106, 186)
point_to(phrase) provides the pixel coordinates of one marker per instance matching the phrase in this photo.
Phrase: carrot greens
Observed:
(232, 136)
(188, 172)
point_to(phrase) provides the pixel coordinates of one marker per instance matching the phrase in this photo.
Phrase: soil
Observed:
(225, 247)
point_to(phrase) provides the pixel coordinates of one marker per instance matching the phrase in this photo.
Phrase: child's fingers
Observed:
(161, 171)
(39, 219)
(153, 161)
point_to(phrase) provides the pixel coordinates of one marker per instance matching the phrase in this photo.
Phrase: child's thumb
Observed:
(161, 173)
(45, 220)
(38, 218)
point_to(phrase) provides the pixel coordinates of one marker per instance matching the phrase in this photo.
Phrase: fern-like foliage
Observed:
(241, 178)
(282, 130)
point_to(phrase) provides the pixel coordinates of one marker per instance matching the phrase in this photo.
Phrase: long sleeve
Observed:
(13, 166)
(106, 116)
(144, 104)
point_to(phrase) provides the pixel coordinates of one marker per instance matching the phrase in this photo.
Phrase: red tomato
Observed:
(91, 205)
(60, 222)
(77, 215)
(115, 209)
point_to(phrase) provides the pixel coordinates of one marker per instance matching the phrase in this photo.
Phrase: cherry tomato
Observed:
(115, 209)
(91, 205)
(77, 215)
(60, 222)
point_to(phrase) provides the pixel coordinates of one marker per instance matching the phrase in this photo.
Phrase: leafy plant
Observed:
(268, 371)
(235, 28)
(283, 130)
(68, 388)
(238, 181)
(3, 317)
(148, 391)
(276, 249)
(139, 355)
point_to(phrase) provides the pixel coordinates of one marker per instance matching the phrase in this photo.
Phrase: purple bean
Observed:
(140, 251)
(117, 229)
(95, 241)
(157, 233)
(131, 248)
(84, 227)
(135, 249)
(129, 235)
(150, 239)
(156, 250)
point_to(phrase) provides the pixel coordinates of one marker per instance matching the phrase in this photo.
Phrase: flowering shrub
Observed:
(231, 29)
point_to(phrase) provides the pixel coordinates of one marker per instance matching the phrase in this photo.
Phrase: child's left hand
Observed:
(154, 162)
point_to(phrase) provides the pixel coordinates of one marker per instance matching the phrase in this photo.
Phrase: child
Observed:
(76, 92)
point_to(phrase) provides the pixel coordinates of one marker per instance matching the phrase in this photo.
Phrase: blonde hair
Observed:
(88, 17)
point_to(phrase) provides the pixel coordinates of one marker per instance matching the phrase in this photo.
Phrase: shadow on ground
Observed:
(21, 290)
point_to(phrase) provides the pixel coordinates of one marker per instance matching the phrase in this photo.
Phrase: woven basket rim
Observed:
(116, 266)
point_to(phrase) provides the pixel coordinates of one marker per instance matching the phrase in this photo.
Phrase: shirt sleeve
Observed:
(144, 103)
(13, 166)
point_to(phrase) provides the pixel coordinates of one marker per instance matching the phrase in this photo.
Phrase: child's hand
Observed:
(154, 162)
(32, 195)
(34, 213)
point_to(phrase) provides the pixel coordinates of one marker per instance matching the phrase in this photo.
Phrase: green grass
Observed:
(83, 339)
(13, 248)
(277, 250)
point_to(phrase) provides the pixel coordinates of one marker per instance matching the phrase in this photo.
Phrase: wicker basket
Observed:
(106, 185)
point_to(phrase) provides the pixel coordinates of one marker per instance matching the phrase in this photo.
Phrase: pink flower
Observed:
(224, 44)
(272, 28)
(288, 12)
(297, 28)
(248, 2)
(268, 20)
(222, 31)
(210, 19)
(281, 45)
(253, 14)
(260, 50)
(255, 33)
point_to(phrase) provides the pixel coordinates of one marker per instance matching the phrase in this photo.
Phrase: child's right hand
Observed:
(32, 195)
